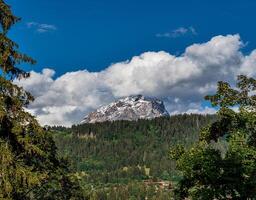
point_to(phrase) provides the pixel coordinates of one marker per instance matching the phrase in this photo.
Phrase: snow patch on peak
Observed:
(128, 108)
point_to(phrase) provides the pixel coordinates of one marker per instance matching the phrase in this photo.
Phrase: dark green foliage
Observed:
(208, 171)
(131, 191)
(124, 152)
(29, 166)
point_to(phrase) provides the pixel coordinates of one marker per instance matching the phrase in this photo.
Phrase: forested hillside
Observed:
(130, 149)
(123, 154)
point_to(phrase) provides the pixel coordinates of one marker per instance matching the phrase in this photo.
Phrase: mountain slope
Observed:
(121, 157)
(128, 108)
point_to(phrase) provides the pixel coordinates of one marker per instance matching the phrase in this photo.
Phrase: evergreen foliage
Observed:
(124, 159)
(124, 154)
(29, 166)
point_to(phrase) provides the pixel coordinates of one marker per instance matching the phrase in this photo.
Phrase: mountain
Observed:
(128, 108)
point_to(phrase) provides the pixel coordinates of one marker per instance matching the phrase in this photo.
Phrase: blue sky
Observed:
(92, 52)
(92, 34)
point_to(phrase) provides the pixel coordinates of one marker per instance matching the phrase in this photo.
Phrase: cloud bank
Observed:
(181, 81)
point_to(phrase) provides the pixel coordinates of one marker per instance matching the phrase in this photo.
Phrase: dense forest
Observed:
(180, 157)
(128, 155)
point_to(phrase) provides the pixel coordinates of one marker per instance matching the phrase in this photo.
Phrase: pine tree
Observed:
(29, 166)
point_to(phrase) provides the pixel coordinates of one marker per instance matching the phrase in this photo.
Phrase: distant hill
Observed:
(123, 156)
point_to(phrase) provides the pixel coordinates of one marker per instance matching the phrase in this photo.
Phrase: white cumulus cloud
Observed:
(181, 81)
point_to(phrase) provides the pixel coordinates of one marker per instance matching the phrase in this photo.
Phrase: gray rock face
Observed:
(129, 108)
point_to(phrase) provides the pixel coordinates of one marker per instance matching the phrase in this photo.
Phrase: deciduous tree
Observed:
(211, 173)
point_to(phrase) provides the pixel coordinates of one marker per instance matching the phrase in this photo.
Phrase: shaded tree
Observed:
(208, 172)
(29, 166)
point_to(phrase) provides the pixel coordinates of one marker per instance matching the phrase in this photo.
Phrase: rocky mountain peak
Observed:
(129, 108)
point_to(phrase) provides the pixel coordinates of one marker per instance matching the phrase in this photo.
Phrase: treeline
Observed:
(122, 152)
(170, 128)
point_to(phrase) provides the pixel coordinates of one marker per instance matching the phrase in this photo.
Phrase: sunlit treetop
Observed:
(10, 57)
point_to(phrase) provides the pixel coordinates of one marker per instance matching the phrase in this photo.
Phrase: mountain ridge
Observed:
(128, 108)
